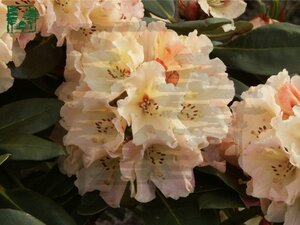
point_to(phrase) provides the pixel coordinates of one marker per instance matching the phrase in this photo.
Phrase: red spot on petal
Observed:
(172, 77)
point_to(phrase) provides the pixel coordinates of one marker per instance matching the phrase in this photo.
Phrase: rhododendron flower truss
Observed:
(170, 170)
(262, 106)
(92, 126)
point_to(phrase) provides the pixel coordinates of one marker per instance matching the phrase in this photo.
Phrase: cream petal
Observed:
(6, 80)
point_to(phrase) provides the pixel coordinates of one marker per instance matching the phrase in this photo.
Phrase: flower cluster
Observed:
(142, 103)
(265, 138)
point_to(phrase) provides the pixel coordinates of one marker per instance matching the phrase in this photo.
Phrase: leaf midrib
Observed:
(13, 123)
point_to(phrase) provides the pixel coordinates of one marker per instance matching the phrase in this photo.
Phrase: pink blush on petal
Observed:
(287, 97)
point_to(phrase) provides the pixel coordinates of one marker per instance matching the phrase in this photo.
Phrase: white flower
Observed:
(170, 170)
(228, 9)
(92, 126)
(289, 133)
(204, 110)
(151, 105)
(62, 16)
(103, 175)
(110, 59)
(273, 175)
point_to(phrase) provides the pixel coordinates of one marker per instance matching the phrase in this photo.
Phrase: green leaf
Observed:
(221, 199)
(231, 178)
(4, 157)
(35, 204)
(40, 59)
(29, 115)
(54, 184)
(162, 8)
(263, 51)
(28, 147)
(219, 34)
(15, 217)
(200, 25)
(239, 87)
(183, 211)
(91, 204)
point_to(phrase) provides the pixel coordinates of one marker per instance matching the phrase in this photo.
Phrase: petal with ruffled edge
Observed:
(112, 60)
(92, 126)
(103, 175)
(273, 176)
(205, 112)
(170, 170)
(151, 105)
(288, 132)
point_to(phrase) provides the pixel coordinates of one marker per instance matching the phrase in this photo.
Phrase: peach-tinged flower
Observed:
(92, 126)
(168, 169)
(73, 78)
(110, 59)
(273, 175)
(228, 9)
(204, 110)
(288, 132)
(151, 105)
(62, 16)
(103, 175)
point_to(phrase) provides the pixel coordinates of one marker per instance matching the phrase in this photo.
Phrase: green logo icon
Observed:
(21, 19)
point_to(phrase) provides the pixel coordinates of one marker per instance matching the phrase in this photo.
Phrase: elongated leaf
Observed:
(219, 34)
(162, 8)
(91, 203)
(35, 204)
(200, 25)
(28, 147)
(40, 59)
(183, 211)
(54, 184)
(264, 51)
(14, 217)
(3, 158)
(219, 200)
(239, 87)
(29, 116)
(230, 178)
